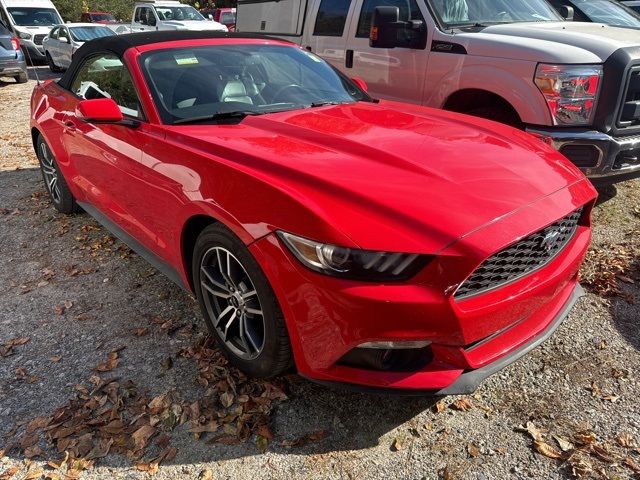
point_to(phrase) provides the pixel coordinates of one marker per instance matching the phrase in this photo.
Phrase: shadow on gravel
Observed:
(87, 325)
(42, 73)
(626, 314)
(606, 193)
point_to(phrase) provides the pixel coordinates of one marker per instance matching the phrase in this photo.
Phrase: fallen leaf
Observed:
(473, 450)
(585, 438)
(546, 449)
(625, 440)
(206, 474)
(55, 358)
(142, 435)
(397, 444)
(110, 364)
(439, 407)
(226, 399)
(9, 473)
(462, 404)
(565, 445)
(265, 431)
(261, 443)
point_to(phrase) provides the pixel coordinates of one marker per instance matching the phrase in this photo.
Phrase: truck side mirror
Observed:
(384, 27)
(566, 12)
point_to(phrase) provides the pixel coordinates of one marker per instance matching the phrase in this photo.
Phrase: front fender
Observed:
(509, 79)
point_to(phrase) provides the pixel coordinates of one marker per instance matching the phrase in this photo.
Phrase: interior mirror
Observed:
(360, 83)
(566, 12)
(99, 110)
(384, 28)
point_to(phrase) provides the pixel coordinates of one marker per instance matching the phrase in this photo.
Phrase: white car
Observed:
(151, 15)
(63, 41)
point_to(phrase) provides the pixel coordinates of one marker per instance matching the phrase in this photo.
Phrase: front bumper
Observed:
(32, 52)
(601, 157)
(328, 318)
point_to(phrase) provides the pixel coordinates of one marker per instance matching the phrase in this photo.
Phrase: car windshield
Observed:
(228, 17)
(34, 17)
(84, 34)
(182, 14)
(102, 17)
(608, 12)
(196, 84)
(454, 13)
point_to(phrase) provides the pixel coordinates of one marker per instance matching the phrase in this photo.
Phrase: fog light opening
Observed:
(389, 356)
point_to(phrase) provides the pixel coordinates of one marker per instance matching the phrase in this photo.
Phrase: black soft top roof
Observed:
(118, 44)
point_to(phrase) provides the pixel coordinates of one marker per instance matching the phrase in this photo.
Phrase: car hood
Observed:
(562, 42)
(416, 178)
(196, 25)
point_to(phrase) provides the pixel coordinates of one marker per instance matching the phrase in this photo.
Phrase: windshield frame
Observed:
(48, 9)
(444, 26)
(160, 108)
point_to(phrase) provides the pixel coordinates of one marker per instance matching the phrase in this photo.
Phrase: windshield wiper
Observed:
(240, 114)
(324, 104)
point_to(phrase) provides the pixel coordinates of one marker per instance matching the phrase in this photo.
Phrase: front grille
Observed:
(630, 108)
(521, 258)
(37, 39)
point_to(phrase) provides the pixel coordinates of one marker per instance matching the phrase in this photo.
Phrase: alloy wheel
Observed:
(50, 172)
(232, 303)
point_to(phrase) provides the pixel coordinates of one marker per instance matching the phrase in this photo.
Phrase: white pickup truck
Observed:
(575, 85)
(169, 15)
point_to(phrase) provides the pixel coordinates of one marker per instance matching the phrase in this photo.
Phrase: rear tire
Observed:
(52, 66)
(22, 78)
(57, 188)
(256, 343)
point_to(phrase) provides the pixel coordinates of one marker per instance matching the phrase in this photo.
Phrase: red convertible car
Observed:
(370, 244)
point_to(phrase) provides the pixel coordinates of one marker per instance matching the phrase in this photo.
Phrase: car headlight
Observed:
(571, 91)
(24, 35)
(353, 263)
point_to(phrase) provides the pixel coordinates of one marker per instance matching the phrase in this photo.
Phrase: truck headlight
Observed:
(353, 263)
(24, 35)
(571, 91)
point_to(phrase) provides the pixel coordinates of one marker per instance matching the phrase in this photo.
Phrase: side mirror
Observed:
(63, 39)
(566, 12)
(99, 110)
(360, 83)
(384, 28)
(210, 17)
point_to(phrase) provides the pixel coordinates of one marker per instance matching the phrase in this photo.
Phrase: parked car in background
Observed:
(30, 21)
(357, 240)
(63, 41)
(226, 16)
(632, 4)
(170, 15)
(12, 63)
(609, 12)
(98, 17)
(572, 84)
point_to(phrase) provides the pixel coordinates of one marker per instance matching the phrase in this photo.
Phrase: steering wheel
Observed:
(281, 90)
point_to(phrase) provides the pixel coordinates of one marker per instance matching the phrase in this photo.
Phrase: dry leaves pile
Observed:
(6, 348)
(113, 416)
(605, 268)
(584, 455)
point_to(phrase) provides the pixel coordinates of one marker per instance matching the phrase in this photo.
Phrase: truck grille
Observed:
(37, 39)
(521, 258)
(630, 108)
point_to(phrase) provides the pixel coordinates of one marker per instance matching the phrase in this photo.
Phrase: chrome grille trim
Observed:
(520, 259)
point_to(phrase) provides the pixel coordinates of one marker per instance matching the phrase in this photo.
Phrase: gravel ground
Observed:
(72, 294)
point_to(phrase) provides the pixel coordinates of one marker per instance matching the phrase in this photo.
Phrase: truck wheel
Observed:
(52, 66)
(22, 78)
(497, 114)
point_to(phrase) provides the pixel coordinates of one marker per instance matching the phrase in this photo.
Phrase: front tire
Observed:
(238, 304)
(57, 188)
(22, 78)
(52, 66)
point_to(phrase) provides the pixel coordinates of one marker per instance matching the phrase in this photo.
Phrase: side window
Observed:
(105, 76)
(408, 11)
(54, 33)
(141, 15)
(332, 17)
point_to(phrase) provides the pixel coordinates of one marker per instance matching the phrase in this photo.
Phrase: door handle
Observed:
(69, 125)
(348, 63)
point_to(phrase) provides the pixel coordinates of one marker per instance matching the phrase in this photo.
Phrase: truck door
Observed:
(327, 30)
(395, 74)
(144, 19)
